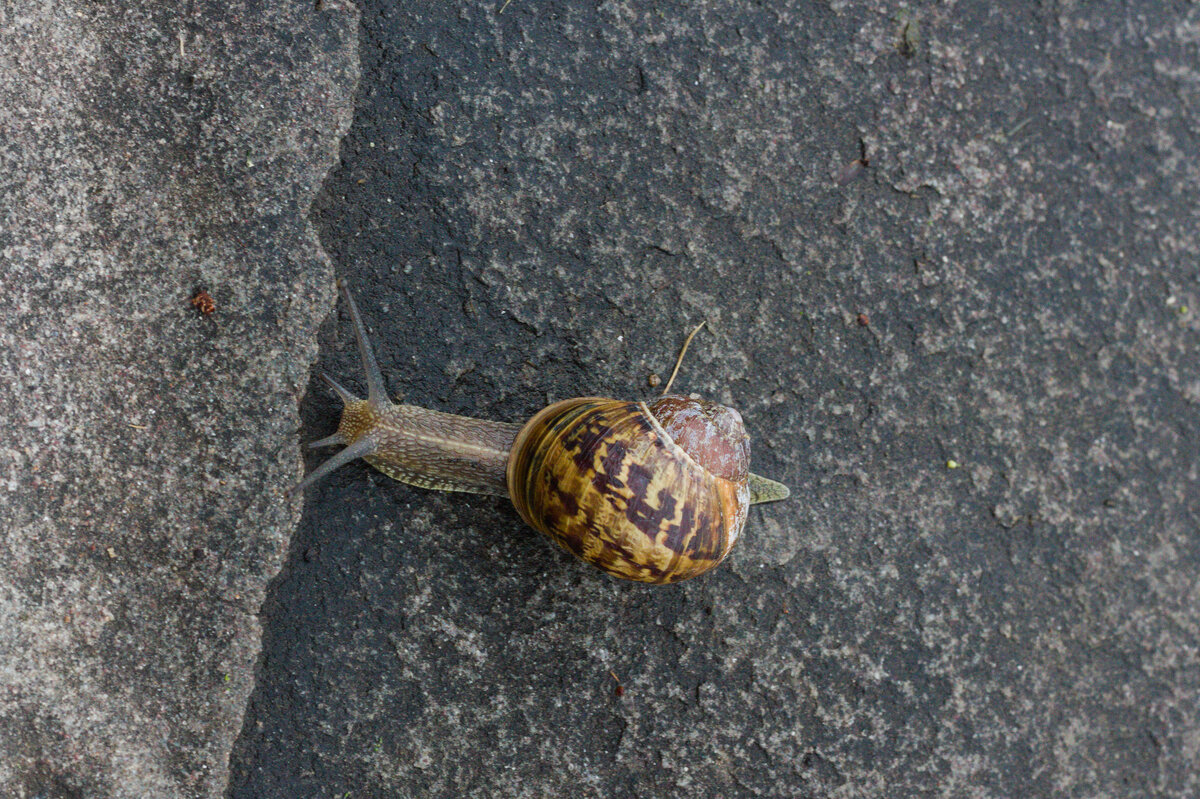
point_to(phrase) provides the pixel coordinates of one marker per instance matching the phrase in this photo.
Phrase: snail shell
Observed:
(605, 480)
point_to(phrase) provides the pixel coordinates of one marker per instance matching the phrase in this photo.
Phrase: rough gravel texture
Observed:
(974, 359)
(148, 152)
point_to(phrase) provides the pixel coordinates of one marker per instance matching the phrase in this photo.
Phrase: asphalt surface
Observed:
(949, 260)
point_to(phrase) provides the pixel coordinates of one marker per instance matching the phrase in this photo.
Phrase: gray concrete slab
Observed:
(147, 152)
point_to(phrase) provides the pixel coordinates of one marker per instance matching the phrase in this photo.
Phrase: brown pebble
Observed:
(653, 380)
(863, 320)
(203, 302)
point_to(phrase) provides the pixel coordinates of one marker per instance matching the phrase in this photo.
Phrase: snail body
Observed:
(655, 492)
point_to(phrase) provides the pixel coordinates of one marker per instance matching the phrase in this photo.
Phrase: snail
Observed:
(654, 492)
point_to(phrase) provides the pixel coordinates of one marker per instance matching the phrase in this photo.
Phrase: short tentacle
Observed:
(328, 441)
(346, 396)
(364, 446)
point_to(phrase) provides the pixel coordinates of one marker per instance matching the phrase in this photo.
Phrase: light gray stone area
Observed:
(149, 151)
(986, 583)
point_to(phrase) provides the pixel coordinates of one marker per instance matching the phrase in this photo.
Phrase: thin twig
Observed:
(679, 360)
(1019, 127)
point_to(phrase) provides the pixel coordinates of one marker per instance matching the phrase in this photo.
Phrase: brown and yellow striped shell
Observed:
(605, 480)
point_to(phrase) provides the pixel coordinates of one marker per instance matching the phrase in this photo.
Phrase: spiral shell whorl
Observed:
(603, 479)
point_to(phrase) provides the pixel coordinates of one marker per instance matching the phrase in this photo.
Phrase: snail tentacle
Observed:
(376, 389)
(327, 441)
(343, 393)
(360, 448)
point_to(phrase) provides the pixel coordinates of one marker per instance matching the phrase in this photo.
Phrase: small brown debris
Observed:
(853, 170)
(653, 380)
(203, 302)
(619, 691)
(863, 320)
(908, 38)
(679, 361)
